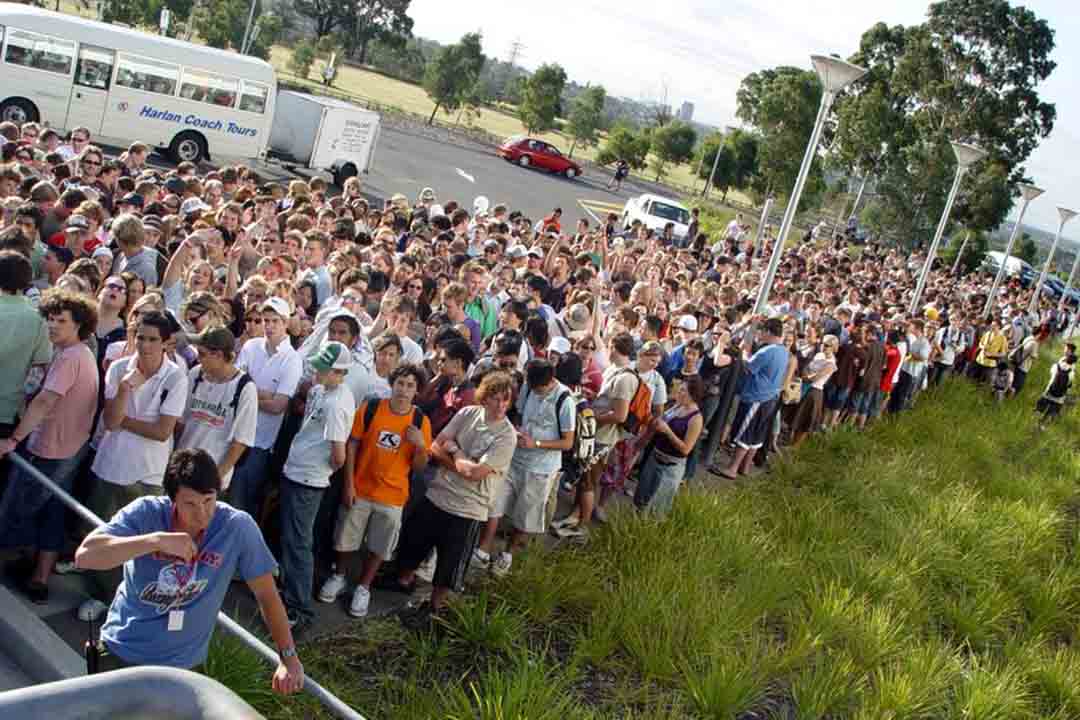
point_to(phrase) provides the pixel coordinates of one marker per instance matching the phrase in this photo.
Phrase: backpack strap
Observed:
(197, 381)
(245, 379)
(417, 419)
(558, 409)
(370, 408)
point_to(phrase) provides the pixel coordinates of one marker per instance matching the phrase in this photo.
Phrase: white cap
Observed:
(687, 322)
(559, 345)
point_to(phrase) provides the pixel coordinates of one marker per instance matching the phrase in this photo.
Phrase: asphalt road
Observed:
(406, 162)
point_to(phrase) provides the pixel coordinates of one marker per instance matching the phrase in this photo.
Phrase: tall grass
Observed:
(926, 568)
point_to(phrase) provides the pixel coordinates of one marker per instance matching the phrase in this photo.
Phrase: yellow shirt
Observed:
(992, 347)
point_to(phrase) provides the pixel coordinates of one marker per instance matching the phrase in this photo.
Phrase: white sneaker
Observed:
(360, 600)
(91, 610)
(481, 559)
(571, 519)
(426, 571)
(65, 567)
(501, 566)
(332, 589)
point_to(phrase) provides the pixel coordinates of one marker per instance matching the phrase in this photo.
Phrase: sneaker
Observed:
(567, 521)
(573, 532)
(599, 514)
(66, 567)
(420, 618)
(426, 571)
(360, 600)
(92, 610)
(501, 566)
(481, 559)
(332, 589)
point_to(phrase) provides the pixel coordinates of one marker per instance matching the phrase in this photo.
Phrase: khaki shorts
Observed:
(523, 497)
(374, 522)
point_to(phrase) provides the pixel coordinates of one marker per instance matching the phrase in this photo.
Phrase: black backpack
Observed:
(1060, 384)
(370, 408)
(244, 380)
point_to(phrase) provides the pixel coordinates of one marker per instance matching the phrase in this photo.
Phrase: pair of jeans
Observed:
(30, 515)
(658, 484)
(249, 481)
(299, 507)
(709, 405)
(901, 392)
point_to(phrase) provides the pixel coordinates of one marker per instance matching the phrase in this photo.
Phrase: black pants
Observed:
(455, 537)
(901, 392)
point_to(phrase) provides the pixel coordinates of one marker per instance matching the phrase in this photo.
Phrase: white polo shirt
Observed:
(278, 373)
(124, 458)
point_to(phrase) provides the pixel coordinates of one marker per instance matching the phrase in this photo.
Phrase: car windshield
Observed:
(552, 150)
(670, 212)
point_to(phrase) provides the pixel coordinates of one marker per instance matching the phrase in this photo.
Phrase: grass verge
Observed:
(927, 568)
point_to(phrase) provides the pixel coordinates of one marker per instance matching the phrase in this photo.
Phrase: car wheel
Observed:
(571, 173)
(188, 147)
(524, 161)
(18, 111)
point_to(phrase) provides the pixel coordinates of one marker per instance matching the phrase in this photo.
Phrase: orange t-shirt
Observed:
(384, 457)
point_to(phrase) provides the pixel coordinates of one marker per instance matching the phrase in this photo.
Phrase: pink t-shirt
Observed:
(73, 376)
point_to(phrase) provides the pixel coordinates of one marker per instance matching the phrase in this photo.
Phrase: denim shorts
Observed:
(863, 400)
(836, 397)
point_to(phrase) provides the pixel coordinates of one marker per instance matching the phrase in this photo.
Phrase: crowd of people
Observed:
(388, 382)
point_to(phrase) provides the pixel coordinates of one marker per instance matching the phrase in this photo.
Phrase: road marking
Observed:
(465, 175)
(597, 207)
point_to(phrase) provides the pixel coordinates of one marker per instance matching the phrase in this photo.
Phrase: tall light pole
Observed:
(1069, 284)
(759, 241)
(248, 40)
(1029, 193)
(835, 75)
(1064, 215)
(959, 255)
(966, 156)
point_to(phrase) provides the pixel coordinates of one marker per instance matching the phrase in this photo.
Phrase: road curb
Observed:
(32, 645)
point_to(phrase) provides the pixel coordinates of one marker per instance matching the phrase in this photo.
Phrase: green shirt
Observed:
(26, 343)
(485, 314)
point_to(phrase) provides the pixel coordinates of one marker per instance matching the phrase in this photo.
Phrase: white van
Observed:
(126, 85)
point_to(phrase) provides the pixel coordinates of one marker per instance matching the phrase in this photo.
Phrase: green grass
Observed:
(925, 569)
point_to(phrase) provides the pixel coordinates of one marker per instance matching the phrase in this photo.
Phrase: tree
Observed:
(738, 159)
(625, 143)
(974, 251)
(1027, 251)
(222, 25)
(969, 73)
(146, 13)
(540, 102)
(452, 73)
(385, 20)
(586, 117)
(782, 105)
(672, 143)
(328, 15)
(303, 57)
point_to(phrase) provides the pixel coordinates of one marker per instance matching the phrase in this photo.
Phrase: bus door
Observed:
(90, 92)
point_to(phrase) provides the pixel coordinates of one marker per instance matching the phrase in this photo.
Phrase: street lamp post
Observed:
(1029, 193)
(1064, 216)
(759, 241)
(966, 156)
(835, 75)
(960, 254)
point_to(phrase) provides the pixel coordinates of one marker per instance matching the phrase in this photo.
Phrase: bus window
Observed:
(40, 52)
(212, 89)
(94, 67)
(147, 75)
(253, 97)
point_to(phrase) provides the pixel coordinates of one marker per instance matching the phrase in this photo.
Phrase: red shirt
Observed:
(892, 361)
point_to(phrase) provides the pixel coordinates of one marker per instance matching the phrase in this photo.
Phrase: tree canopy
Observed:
(541, 98)
(586, 117)
(452, 73)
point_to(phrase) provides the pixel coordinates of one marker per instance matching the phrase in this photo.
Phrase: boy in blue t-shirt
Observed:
(179, 553)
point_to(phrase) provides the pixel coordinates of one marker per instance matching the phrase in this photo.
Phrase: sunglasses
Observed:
(116, 286)
(80, 140)
(91, 163)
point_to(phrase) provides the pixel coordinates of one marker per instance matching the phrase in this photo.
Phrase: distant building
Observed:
(686, 112)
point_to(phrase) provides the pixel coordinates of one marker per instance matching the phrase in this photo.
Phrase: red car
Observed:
(530, 152)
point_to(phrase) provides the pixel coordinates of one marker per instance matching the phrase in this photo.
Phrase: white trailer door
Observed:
(345, 136)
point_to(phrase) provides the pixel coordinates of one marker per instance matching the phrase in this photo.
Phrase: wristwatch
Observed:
(536, 444)
(287, 652)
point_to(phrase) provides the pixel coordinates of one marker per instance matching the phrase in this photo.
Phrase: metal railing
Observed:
(332, 702)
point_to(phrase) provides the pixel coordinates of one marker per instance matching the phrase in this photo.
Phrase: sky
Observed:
(700, 50)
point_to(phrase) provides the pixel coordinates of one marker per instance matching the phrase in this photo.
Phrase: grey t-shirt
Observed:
(142, 263)
(487, 444)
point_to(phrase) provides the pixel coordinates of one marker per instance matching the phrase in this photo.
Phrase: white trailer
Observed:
(322, 133)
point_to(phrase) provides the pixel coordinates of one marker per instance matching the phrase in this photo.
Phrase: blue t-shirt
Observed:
(136, 629)
(764, 374)
(538, 420)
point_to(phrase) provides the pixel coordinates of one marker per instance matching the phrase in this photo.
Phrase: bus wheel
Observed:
(343, 173)
(18, 111)
(188, 147)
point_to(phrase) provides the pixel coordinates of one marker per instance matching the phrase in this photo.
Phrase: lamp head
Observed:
(1066, 214)
(967, 155)
(835, 74)
(1030, 192)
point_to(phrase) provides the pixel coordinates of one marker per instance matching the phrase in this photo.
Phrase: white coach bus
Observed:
(127, 85)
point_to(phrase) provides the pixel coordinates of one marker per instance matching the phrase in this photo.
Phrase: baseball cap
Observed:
(516, 252)
(536, 253)
(101, 251)
(427, 195)
(344, 227)
(175, 186)
(193, 205)
(214, 338)
(77, 222)
(559, 344)
(132, 199)
(687, 322)
(333, 356)
(651, 348)
(491, 245)
(277, 305)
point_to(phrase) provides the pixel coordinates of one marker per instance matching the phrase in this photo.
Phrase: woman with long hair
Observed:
(676, 433)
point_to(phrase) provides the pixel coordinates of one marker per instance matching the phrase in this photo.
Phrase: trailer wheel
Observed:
(188, 146)
(343, 173)
(18, 111)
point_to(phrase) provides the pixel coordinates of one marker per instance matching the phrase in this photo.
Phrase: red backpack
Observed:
(640, 412)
